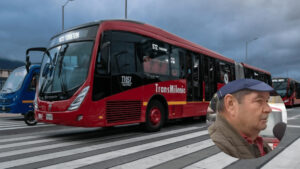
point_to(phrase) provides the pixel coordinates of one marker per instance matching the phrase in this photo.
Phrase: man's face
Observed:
(253, 111)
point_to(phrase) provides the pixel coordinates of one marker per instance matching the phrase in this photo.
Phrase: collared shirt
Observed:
(233, 143)
(258, 141)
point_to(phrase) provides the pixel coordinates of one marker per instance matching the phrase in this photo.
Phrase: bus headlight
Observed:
(77, 102)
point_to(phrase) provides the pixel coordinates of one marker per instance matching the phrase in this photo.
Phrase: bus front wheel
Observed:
(29, 119)
(155, 116)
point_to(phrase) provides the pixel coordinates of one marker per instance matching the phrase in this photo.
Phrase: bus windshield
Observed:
(14, 81)
(280, 88)
(68, 71)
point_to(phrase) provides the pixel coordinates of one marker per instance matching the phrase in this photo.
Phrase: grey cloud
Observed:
(222, 26)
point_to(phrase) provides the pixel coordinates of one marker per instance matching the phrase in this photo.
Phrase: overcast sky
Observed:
(220, 25)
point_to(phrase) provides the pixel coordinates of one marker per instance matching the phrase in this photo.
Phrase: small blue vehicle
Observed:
(18, 93)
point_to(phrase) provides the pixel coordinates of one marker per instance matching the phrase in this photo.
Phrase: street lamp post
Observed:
(247, 42)
(63, 15)
(125, 9)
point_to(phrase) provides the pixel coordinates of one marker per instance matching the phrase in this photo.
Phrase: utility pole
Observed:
(63, 13)
(247, 42)
(125, 9)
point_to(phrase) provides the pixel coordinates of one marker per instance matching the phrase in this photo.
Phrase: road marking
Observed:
(216, 161)
(11, 125)
(11, 122)
(293, 126)
(49, 156)
(19, 138)
(57, 145)
(122, 152)
(294, 117)
(166, 156)
(39, 125)
(26, 143)
(289, 158)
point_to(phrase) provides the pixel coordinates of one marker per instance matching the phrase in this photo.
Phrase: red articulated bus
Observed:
(252, 72)
(118, 72)
(288, 89)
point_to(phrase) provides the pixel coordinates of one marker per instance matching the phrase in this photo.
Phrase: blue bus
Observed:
(18, 92)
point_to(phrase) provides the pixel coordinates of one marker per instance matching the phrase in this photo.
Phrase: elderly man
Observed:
(242, 113)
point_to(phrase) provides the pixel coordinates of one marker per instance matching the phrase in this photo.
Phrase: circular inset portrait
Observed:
(246, 118)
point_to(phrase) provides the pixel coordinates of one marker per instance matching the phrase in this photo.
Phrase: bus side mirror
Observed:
(28, 63)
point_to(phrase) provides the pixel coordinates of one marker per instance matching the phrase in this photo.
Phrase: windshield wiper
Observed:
(50, 71)
(46, 83)
(62, 84)
(60, 56)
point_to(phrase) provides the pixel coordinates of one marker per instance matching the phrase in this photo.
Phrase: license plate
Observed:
(49, 117)
(40, 116)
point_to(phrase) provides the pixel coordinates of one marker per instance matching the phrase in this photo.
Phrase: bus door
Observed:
(29, 90)
(194, 79)
(102, 78)
(209, 78)
(194, 85)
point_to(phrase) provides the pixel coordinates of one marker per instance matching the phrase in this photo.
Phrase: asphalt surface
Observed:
(182, 144)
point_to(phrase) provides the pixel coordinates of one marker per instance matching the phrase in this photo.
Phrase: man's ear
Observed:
(230, 104)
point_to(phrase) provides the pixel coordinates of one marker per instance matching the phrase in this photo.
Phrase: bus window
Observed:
(122, 58)
(291, 89)
(224, 72)
(249, 73)
(209, 77)
(156, 60)
(189, 76)
(34, 81)
(196, 71)
(298, 91)
(176, 59)
(102, 79)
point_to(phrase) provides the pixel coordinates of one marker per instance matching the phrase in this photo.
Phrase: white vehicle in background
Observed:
(277, 116)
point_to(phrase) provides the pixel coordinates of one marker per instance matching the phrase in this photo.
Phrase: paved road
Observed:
(178, 145)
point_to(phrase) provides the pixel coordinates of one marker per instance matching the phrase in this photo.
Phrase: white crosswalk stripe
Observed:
(289, 158)
(25, 126)
(62, 151)
(19, 139)
(48, 147)
(29, 160)
(26, 143)
(18, 124)
(126, 151)
(217, 161)
(166, 156)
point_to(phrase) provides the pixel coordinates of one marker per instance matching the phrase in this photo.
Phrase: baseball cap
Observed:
(241, 84)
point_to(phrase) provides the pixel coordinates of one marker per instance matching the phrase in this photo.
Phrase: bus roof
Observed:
(255, 68)
(153, 32)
